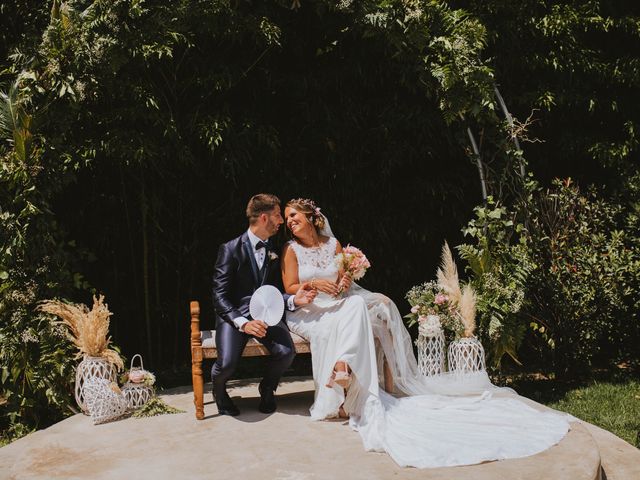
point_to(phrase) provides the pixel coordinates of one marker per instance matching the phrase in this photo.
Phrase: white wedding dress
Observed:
(441, 421)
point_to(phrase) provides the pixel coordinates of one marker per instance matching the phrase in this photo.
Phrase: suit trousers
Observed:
(230, 343)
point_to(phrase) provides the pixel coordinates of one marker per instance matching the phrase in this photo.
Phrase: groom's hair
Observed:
(259, 204)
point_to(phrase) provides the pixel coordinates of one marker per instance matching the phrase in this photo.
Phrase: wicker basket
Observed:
(104, 400)
(431, 354)
(136, 392)
(466, 355)
(91, 367)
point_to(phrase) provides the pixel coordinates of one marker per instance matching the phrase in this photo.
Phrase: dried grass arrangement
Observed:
(88, 329)
(448, 276)
(463, 300)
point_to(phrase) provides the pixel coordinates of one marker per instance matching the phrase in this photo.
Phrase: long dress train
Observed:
(443, 421)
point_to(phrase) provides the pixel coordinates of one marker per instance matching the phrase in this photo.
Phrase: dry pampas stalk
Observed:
(88, 329)
(468, 310)
(448, 276)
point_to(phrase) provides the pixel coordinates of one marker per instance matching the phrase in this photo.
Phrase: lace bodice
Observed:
(316, 262)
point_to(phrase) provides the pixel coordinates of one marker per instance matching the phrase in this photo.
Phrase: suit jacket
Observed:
(237, 276)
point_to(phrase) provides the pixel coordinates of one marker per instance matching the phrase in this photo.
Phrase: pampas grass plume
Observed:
(448, 275)
(88, 329)
(468, 310)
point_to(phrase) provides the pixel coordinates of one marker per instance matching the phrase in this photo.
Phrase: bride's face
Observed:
(297, 222)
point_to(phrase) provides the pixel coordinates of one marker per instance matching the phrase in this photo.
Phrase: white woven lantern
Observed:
(136, 391)
(92, 367)
(430, 346)
(105, 402)
(466, 355)
(137, 394)
(431, 354)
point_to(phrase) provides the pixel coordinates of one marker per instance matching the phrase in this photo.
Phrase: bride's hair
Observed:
(310, 210)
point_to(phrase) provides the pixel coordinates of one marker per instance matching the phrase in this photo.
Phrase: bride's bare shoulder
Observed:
(288, 249)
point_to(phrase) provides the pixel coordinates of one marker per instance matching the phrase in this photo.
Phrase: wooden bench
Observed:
(203, 346)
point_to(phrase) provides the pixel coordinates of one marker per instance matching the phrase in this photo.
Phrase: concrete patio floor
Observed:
(283, 445)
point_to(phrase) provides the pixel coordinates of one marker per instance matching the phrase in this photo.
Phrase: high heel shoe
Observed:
(342, 378)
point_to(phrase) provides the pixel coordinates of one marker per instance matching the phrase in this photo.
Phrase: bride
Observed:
(439, 421)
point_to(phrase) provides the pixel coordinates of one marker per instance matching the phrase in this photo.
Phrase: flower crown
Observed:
(317, 219)
(307, 202)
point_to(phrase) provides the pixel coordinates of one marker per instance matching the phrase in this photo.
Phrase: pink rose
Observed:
(422, 319)
(440, 299)
(415, 309)
(136, 376)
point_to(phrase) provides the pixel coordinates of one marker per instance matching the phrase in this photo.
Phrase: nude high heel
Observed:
(343, 379)
(340, 377)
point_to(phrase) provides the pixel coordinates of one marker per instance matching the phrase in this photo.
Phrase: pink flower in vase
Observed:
(136, 376)
(440, 299)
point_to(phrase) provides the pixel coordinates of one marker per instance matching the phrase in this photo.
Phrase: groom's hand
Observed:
(304, 295)
(257, 328)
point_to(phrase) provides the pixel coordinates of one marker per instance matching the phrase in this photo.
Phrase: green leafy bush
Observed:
(500, 266)
(36, 359)
(36, 377)
(587, 268)
(564, 264)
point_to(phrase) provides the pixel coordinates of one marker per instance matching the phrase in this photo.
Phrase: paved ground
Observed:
(284, 445)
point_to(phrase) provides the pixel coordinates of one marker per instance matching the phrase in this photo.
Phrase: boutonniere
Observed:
(273, 256)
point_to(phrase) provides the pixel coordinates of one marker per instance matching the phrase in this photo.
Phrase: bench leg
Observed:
(198, 386)
(196, 360)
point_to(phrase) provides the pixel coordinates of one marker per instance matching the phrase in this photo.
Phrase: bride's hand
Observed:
(345, 283)
(330, 288)
(304, 295)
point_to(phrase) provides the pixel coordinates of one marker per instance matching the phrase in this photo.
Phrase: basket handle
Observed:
(133, 358)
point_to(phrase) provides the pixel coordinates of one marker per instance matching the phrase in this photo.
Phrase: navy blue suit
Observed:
(235, 279)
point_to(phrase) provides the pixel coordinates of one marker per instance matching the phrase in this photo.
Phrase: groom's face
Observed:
(274, 220)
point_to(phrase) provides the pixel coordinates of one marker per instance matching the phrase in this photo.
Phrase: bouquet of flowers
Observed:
(352, 262)
(432, 309)
(138, 376)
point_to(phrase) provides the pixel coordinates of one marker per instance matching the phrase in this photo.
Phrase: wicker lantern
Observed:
(138, 388)
(430, 346)
(88, 368)
(466, 355)
(104, 400)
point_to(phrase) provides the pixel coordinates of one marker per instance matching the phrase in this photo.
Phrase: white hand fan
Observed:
(267, 305)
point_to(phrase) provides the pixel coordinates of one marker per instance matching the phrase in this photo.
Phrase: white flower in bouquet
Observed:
(429, 326)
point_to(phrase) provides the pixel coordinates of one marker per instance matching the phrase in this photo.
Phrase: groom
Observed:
(244, 264)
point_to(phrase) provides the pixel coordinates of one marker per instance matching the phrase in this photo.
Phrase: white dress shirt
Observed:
(260, 256)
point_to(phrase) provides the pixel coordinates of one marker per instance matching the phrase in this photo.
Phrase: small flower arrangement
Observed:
(352, 262)
(136, 375)
(432, 309)
(273, 256)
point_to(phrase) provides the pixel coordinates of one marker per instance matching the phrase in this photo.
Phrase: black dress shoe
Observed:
(227, 407)
(267, 399)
